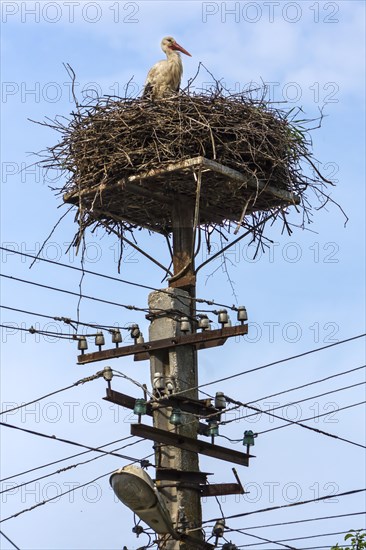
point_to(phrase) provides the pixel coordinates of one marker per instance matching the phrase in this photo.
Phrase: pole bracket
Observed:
(200, 340)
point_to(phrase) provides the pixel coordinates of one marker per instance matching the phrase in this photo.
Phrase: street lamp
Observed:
(135, 488)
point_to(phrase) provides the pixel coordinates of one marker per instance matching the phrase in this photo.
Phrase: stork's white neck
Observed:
(175, 61)
(172, 54)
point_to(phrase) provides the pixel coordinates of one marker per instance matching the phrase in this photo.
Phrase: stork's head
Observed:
(169, 43)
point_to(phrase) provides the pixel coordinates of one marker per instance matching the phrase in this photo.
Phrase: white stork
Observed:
(165, 76)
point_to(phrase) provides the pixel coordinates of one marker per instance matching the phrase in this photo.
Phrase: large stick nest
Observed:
(115, 153)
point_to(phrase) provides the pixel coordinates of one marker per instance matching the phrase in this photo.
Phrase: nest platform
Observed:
(234, 161)
(146, 199)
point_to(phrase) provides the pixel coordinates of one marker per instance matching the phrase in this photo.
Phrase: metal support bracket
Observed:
(201, 340)
(185, 404)
(190, 444)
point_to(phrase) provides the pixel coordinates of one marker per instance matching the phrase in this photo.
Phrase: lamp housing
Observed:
(135, 488)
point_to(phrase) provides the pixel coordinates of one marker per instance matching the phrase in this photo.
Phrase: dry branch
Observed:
(118, 156)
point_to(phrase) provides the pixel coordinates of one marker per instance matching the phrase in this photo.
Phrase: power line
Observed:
(303, 547)
(70, 292)
(306, 547)
(143, 387)
(11, 542)
(68, 321)
(304, 520)
(95, 376)
(111, 278)
(66, 492)
(265, 541)
(296, 402)
(32, 330)
(82, 381)
(291, 422)
(291, 539)
(300, 503)
(319, 416)
(36, 400)
(63, 459)
(273, 363)
(61, 470)
(100, 373)
(56, 496)
(53, 334)
(68, 441)
(307, 384)
(65, 320)
(318, 395)
(282, 360)
(238, 403)
(85, 296)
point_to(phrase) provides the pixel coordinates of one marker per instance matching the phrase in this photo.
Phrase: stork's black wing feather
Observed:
(148, 91)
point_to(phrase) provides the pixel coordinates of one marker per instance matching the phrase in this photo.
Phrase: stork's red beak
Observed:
(176, 46)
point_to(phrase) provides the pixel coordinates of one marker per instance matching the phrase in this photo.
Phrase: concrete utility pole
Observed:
(179, 366)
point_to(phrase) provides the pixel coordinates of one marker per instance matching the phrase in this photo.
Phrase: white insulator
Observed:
(223, 316)
(242, 314)
(220, 401)
(185, 325)
(204, 323)
(135, 331)
(159, 382)
(99, 339)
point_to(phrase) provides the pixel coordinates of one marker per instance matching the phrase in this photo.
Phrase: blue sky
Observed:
(306, 291)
